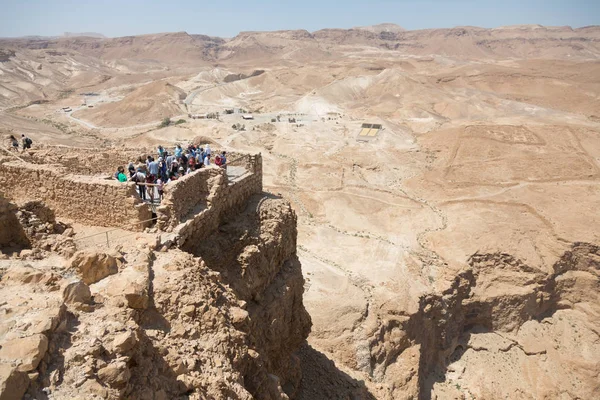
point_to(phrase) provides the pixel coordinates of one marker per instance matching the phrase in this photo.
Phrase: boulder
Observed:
(26, 352)
(13, 383)
(124, 342)
(137, 298)
(77, 292)
(115, 374)
(94, 266)
(239, 317)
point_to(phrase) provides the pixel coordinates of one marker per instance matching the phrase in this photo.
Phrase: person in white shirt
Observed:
(140, 179)
(207, 160)
(207, 150)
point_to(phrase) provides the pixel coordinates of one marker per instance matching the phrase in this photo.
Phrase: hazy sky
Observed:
(228, 17)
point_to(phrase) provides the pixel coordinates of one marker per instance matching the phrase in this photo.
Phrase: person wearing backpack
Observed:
(26, 142)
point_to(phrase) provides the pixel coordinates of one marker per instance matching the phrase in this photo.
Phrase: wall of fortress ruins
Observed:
(193, 205)
(89, 200)
(190, 215)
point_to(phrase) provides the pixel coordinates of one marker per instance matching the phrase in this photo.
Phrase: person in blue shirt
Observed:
(153, 168)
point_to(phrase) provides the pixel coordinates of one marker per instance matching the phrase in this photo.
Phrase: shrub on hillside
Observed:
(165, 122)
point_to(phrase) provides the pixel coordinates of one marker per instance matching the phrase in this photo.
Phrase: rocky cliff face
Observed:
(222, 323)
(256, 255)
(496, 313)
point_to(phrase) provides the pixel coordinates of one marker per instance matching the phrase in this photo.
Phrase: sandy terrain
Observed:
(490, 144)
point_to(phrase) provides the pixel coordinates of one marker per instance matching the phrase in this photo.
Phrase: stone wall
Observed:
(185, 194)
(197, 204)
(84, 199)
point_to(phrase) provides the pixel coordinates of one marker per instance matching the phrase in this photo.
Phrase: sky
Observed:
(226, 18)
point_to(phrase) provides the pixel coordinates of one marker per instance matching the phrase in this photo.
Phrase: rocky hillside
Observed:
(144, 321)
(34, 69)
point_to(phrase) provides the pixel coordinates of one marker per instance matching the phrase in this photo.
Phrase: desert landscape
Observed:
(416, 216)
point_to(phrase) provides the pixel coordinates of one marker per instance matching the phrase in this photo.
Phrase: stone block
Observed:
(93, 266)
(124, 342)
(115, 374)
(77, 292)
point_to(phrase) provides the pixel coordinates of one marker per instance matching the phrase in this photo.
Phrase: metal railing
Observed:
(107, 237)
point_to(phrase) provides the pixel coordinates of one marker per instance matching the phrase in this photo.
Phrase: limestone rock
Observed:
(239, 316)
(124, 342)
(27, 352)
(137, 297)
(115, 374)
(77, 292)
(93, 266)
(13, 383)
(189, 310)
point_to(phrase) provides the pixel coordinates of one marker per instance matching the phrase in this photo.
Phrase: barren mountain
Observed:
(150, 102)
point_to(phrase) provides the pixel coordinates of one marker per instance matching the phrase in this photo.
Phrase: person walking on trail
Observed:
(161, 151)
(207, 150)
(223, 160)
(14, 143)
(207, 160)
(140, 179)
(26, 142)
(178, 151)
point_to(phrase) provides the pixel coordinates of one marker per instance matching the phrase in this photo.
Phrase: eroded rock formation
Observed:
(528, 325)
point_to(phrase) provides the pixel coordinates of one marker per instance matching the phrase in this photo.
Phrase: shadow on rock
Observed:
(321, 379)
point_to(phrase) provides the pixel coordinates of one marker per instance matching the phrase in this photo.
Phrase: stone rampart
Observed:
(211, 199)
(84, 199)
(184, 195)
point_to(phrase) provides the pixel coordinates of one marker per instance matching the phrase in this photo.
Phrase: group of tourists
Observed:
(25, 142)
(167, 167)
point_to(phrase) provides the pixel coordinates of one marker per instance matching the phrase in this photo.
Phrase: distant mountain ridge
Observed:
(84, 34)
(521, 41)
